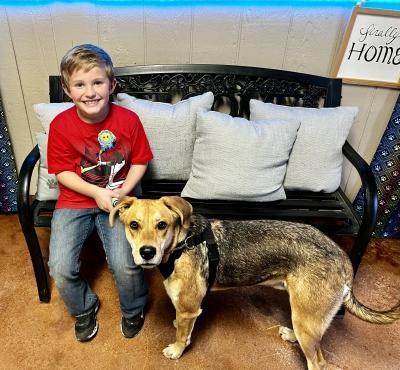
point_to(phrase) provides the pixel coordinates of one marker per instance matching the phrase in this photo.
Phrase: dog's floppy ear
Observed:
(121, 207)
(181, 207)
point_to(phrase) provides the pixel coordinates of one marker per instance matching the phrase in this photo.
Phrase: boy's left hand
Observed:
(119, 193)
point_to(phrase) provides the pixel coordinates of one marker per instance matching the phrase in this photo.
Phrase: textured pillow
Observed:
(46, 112)
(47, 188)
(237, 159)
(170, 129)
(315, 163)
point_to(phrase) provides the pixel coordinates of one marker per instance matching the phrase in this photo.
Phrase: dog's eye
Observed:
(134, 225)
(161, 225)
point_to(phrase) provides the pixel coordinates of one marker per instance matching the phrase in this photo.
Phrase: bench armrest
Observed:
(370, 199)
(25, 215)
(24, 182)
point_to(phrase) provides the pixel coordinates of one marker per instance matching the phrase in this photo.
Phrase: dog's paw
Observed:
(173, 351)
(287, 334)
(174, 324)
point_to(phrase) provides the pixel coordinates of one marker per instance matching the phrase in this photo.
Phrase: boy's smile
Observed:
(90, 92)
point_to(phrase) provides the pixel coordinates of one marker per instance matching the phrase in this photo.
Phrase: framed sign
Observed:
(370, 50)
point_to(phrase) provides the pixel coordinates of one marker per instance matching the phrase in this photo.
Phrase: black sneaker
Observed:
(131, 327)
(86, 325)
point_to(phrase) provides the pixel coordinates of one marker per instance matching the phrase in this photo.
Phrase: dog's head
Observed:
(153, 227)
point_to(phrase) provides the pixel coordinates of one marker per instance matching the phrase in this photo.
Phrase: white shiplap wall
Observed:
(304, 39)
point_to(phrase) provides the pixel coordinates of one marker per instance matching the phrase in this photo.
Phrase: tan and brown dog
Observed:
(315, 271)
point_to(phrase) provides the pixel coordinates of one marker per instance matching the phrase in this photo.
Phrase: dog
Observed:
(297, 257)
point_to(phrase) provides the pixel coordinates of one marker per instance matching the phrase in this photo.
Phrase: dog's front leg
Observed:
(187, 302)
(184, 326)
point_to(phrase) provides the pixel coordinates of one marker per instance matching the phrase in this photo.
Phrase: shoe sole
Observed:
(96, 328)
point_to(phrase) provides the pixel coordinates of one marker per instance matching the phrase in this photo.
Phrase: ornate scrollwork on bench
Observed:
(232, 90)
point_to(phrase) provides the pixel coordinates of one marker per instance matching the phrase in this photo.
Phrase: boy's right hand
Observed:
(103, 198)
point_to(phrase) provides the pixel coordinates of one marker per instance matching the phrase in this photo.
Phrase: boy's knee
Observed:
(62, 270)
(126, 272)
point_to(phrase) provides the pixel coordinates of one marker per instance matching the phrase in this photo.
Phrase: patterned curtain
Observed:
(8, 172)
(386, 168)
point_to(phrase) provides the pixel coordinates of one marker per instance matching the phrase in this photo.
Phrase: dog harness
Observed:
(192, 241)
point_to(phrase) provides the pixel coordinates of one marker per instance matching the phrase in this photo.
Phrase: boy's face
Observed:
(90, 92)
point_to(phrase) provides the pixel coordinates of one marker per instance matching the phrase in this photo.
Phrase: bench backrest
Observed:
(232, 86)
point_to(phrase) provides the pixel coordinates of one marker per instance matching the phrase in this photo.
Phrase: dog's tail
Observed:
(368, 314)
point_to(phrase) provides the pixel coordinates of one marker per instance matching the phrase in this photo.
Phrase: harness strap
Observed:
(213, 256)
(167, 267)
(191, 241)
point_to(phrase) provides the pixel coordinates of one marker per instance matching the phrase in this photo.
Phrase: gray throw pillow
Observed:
(237, 159)
(315, 163)
(170, 129)
(47, 188)
(46, 112)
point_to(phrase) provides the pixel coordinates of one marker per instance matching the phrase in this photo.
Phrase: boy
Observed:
(99, 152)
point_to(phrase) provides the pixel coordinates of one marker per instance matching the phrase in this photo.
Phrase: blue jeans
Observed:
(69, 229)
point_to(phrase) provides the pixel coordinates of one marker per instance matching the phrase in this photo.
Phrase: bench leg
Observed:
(37, 261)
(40, 272)
(358, 250)
(356, 253)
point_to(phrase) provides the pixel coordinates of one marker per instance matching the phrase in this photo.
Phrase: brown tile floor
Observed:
(237, 330)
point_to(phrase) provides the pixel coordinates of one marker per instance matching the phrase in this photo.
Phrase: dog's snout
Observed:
(147, 252)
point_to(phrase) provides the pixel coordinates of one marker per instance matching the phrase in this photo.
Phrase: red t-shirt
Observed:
(100, 153)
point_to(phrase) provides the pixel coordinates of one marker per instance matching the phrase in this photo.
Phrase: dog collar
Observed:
(190, 242)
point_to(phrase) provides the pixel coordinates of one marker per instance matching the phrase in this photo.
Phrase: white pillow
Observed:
(46, 112)
(315, 163)
(47, 188)
(237, 159)
(170, 129)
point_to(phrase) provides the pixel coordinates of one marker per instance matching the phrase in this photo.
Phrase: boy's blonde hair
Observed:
(86, 57)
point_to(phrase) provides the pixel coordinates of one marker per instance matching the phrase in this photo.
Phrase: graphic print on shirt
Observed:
(104, 167)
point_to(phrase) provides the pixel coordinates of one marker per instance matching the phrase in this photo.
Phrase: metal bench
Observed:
(233, 87)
